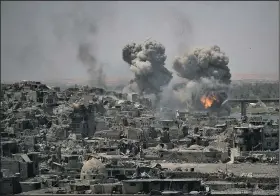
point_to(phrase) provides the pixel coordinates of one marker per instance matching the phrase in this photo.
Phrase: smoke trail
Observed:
(95, 70)
(147, 61)
(78, 27)
(206, 71)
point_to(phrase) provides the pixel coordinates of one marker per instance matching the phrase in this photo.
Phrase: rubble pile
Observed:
(91, 140)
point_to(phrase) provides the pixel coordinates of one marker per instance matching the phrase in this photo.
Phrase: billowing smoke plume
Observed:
(204, 63)
(208, 77)
(147, 62)
(95, 70)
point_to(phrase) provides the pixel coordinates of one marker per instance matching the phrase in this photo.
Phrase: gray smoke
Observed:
(79, 27)
(95, 70)
(182, 28)
(204, 63)
(147, 61)
(206, 71)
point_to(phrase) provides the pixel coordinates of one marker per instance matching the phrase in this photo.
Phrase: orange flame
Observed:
(208, 101)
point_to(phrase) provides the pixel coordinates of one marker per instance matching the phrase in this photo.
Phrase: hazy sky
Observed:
(39, 40)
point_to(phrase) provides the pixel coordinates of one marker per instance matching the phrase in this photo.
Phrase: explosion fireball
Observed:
(208, 100)
(207, 78)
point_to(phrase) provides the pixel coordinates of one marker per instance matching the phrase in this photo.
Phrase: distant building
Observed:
(181, 115)
(72, 162)
(26, 165)
(166, 123)
(9, 148)
(57, 89)
(109, 134)
(254, 138)
(133, 97)
(83, 121)
(50, 99)
(134, 186)
(271, 137)
(100, 124)
(248, 138)
(9, 185)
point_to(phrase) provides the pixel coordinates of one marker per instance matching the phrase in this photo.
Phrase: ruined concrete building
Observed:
(83, 140)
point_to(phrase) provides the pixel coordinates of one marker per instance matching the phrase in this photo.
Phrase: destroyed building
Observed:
(83, 120)
(83, 140)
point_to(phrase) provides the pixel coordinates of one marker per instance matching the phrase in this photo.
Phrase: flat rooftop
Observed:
(164, 180)
(259, 169)
(246, 192)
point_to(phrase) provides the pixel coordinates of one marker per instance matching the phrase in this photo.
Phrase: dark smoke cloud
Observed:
(147, 61)
(95, 71)
(204, 63)
(206, 71)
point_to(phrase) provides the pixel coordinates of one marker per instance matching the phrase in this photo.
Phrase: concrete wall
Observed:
(12, 166)
(255, 179)
(30, 186)
(6, 186)
(186, 174)
(16, 167)
(270, 143)
(266, 153)
(51, 97)
(193, 156)
(234, 152)
(131, 113)
(101, 125)
(74, 164)
(134, 188)
(23, 170)
(131, 188)
(133, 97)
(112, 111)
(131, 133)
(35, 158)
(32, 96)
(103, 188)
(17, 95)
(220, 186)
(217, 177)
(91, 124)
(234, 193)
(84, 128)
(30, 142)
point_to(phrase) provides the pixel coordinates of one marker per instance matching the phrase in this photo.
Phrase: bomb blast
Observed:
(208, 78)
(147, 61)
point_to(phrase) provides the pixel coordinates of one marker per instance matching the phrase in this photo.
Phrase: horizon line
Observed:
(236, 76)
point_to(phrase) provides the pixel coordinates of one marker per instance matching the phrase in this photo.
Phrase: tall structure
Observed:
(83, 120)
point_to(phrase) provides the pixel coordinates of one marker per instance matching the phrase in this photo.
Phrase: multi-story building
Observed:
(271, 136)
(254, 138)
(83, 120)
(248, 138)
(50, 99)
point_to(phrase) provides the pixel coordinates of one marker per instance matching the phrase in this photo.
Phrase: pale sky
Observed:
(39, 40)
